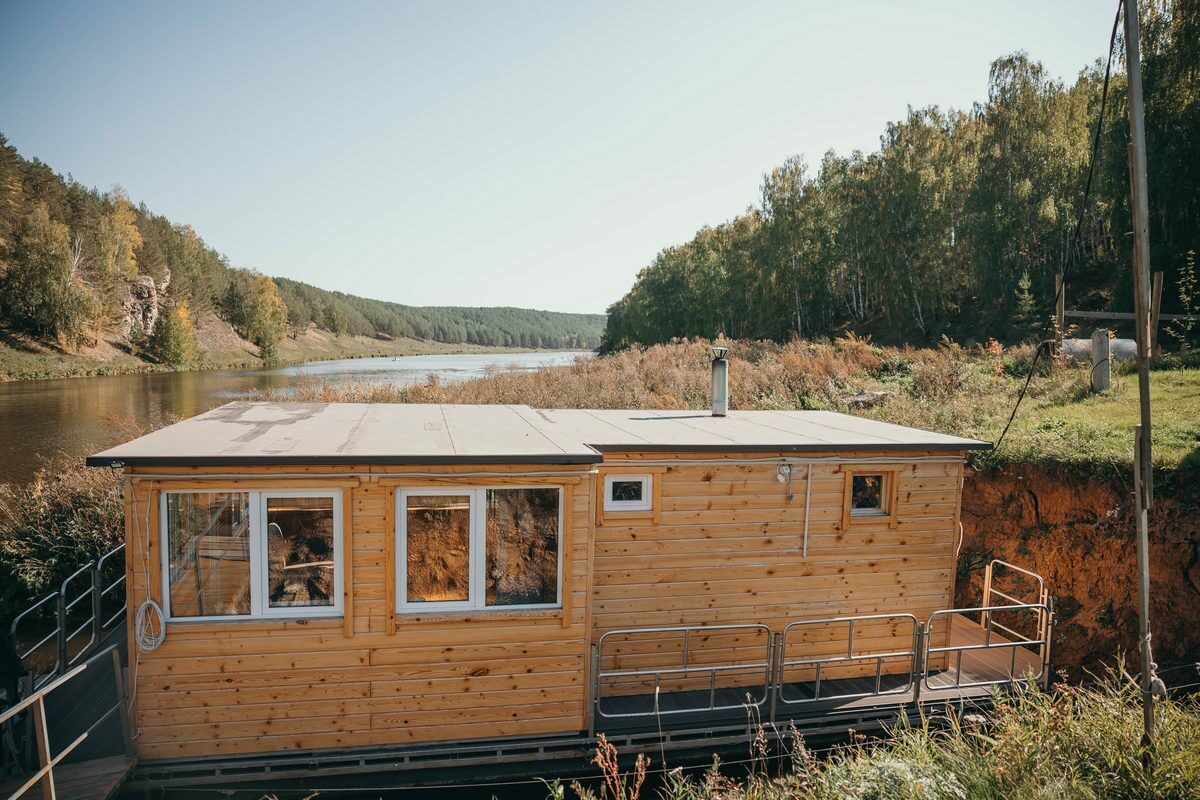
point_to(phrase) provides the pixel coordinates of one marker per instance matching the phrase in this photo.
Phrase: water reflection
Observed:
(75, 416)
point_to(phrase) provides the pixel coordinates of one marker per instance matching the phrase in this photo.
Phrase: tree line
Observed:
(495, 326)
(78, 265)
(958, 223)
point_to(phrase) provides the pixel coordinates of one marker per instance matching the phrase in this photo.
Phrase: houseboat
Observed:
(321, 590)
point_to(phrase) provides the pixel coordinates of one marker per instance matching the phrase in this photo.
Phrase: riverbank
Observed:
(22, 358)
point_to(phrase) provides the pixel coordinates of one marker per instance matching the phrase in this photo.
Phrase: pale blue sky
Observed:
(532, 154)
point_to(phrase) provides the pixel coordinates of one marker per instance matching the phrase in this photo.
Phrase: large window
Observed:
(252, 554)
(479, 548)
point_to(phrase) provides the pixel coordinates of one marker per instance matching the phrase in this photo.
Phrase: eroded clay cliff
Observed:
(1079, 534)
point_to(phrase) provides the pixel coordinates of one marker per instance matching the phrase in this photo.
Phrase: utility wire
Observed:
(1074, 246)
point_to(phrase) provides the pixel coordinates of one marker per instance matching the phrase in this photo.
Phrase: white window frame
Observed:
(260, 607)
(477, 549)
(645, 504)
(879, 511)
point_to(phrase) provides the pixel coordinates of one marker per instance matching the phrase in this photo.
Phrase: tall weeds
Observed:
(67, 516)
(1074, 743)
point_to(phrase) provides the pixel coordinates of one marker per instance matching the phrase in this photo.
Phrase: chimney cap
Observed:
(718, 352)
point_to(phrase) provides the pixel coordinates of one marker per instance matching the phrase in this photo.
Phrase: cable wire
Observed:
(1083, 206)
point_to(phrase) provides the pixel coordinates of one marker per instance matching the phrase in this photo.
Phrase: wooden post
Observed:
(122, 704)
(1155, 307)
(1143, 458)
(1101, 363)
(42, 735)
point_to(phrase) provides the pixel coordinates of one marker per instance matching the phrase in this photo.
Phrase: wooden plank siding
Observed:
(723, 545)
(257, 686)
(728, 550)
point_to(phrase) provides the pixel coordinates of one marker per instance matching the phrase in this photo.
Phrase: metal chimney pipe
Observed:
(720, 382)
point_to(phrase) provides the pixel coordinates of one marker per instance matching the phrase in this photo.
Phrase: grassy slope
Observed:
(1100, 427)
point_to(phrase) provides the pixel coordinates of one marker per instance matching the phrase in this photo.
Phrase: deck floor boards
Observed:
(95, 779)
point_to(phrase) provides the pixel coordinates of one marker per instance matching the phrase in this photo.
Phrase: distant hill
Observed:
(90, 273)
(496, 326)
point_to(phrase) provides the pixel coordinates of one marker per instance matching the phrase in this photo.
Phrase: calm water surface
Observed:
(74, 416)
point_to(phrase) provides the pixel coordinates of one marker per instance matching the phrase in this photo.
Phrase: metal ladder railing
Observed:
(1041, 598)
(93, 587)
(989, 643)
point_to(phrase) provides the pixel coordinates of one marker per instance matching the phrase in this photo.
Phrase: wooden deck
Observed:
(96, 779)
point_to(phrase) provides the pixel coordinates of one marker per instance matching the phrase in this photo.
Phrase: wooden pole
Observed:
(45, 760)
(1143, 459)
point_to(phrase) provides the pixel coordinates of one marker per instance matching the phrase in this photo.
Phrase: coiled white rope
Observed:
(149, 626)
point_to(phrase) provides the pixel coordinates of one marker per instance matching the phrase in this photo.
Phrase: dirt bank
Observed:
(1079, 534)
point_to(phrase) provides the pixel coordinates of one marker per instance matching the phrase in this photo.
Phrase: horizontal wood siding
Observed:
(728, 550)
(722, 546)
(224, 688)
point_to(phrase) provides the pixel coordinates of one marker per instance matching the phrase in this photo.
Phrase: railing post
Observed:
(1049, 638)
(122, 705)
(42, 735)
(987, 596)
(594, 691)
(918, 662)
(97, 622)
(61, 666)
(30, 686)
(775, 672)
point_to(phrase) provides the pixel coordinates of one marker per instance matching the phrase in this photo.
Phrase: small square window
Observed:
(627, 493)
(866, 496)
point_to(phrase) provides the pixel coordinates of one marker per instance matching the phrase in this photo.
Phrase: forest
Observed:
(78, 265)
(959, 222)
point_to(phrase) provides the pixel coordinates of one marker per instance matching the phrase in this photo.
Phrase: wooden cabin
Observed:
(365, 578)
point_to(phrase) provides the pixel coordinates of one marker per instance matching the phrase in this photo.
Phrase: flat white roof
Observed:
(377, 433)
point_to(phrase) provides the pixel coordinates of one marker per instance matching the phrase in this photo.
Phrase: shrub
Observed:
(68, 515)
(173, 342)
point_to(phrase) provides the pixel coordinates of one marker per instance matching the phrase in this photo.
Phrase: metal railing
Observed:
(818, 665)
(916, 657)
(35, 704)
(992, 642)
(606, 677)
(81, 608)
(1041, 597)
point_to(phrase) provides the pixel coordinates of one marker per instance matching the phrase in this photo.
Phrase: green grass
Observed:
(1061, 422)
(1100, 427)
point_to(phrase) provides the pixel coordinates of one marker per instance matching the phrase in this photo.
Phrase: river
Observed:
(40, 420)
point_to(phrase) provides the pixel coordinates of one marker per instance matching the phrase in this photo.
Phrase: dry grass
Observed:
(951, 389)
